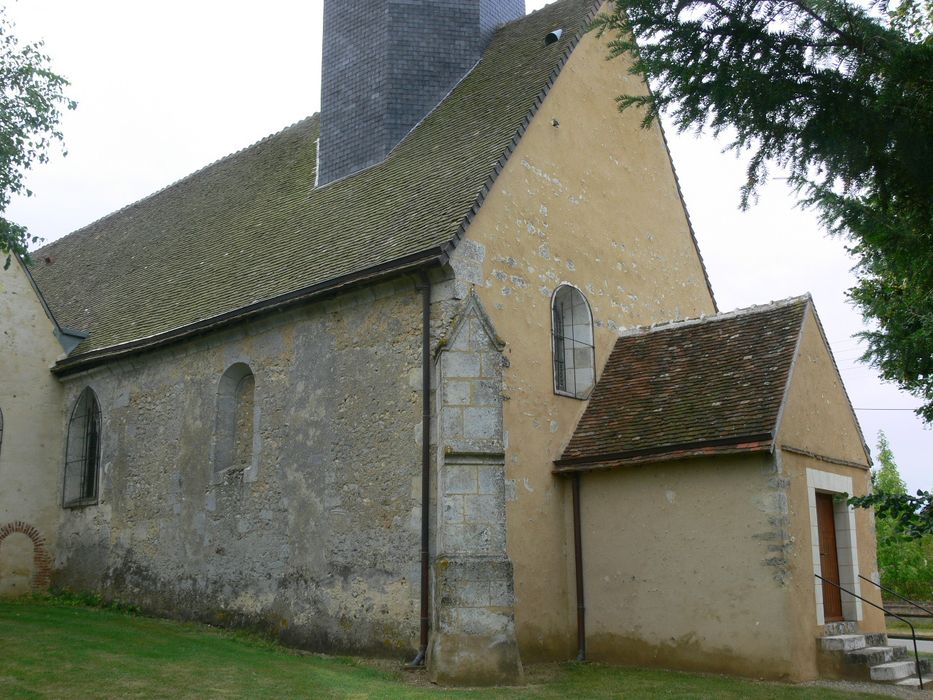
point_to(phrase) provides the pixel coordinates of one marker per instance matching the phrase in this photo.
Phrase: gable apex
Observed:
(813, 346)
(472, 308)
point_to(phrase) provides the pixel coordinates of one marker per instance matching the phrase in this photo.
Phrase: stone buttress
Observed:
(473, 635)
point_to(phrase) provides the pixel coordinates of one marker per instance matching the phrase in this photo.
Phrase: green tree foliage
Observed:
(886, 478)
(840, 97)
(910, 516)
(913, 515)
(904, 528)
(31, 103)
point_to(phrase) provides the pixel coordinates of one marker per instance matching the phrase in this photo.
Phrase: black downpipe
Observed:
(425, 287)
(578, 567)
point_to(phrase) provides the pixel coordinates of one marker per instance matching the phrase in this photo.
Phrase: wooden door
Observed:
(829, 560)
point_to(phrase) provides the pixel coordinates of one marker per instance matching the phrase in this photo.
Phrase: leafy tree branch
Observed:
(31, 104)
(840, 95)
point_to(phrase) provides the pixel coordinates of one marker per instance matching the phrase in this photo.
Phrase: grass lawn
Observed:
(922, 625)
(55, 650)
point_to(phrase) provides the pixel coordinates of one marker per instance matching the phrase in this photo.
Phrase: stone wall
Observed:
(473, 641)
(315, 537)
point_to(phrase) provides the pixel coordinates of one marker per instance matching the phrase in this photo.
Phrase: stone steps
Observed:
(837, 628)
(914, 681)
(898, 671)
(877, 655)
(868, 656)
(843, 642)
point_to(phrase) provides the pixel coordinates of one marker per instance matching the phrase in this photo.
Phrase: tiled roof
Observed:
(252, 228)
(708, 386)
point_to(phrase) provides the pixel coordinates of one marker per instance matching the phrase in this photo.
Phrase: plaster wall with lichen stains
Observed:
(32, 444)
(689, 578)
(317, 541)
(818, 419)
(590, 199)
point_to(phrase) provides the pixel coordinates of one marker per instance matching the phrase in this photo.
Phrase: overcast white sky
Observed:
(165, 88)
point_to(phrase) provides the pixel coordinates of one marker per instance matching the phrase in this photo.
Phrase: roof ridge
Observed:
(179, 181)
(724, 316)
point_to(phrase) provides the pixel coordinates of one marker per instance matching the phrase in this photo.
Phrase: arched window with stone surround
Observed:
(572, 331)
(82, 454)
(233, 432)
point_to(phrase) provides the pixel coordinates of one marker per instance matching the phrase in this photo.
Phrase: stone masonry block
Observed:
(474, 538)
(456, 444)
(482, 423)
(471, 271)
(484, 509)
(501, 593)
(458, 392)
(482, 621)
(491, 365)
(453, 509)
(471, 594)
(491, 478)
(471, 250)
(479, 337)
(461, 340)
(462, 364)
(452, 422)
(458, 569)
(447, 619)
(486, 393)
(457, 538)
(460, 479)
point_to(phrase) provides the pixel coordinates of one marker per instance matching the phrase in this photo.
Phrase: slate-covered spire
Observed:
(387, 63)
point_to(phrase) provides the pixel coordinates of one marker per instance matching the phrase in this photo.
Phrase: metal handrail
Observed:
(886, 612)
(896, 595)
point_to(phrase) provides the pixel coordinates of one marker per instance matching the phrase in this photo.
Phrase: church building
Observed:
(436, 374)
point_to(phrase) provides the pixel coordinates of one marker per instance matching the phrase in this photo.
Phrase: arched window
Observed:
(233, 433)
(572, 328)
(82, 455)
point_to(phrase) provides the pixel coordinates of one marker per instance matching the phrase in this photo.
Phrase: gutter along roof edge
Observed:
(743, 442)
(668, 454)
(70, 365)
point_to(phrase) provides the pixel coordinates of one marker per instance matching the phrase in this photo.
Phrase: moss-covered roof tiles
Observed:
(252, 227)
(690, 388)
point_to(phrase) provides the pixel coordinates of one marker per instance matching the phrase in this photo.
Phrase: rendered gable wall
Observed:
(817, 415)
(818, 419)
(32, 444)
(591, 201)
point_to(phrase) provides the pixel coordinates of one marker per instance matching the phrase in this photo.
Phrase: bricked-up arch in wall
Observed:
(42, 562)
